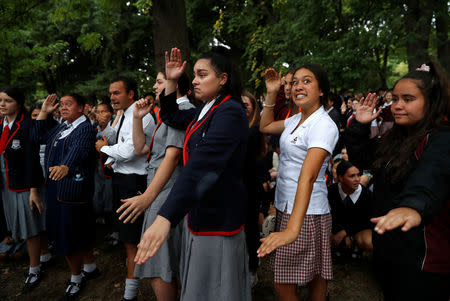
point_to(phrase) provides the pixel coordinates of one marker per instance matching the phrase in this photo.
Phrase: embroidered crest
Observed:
(15, 144)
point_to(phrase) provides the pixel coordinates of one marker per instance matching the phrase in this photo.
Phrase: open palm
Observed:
(364, 112)
(174, 66)
(273, 81)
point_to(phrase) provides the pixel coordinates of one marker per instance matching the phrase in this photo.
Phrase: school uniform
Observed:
(130, 174)
(20, 171)
(350, 212)
(210, 197)
(69, 214)
(165, 263)
(310, 254)
(103, 176)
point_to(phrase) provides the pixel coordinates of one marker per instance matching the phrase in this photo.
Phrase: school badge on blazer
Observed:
(15, 144)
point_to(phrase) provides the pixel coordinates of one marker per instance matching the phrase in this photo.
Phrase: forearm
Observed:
(171, 86)
(139, 137)
(42, 115)
(268, 125)
(163, 174)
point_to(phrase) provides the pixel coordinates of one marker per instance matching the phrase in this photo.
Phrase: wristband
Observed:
(268, 106)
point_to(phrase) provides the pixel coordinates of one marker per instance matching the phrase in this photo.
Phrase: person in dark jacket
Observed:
(70, 166)
(411, 208)
(21, 178)
(209, 191)
(350, 211)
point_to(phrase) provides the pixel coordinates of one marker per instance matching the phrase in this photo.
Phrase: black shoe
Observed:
(72, 296)
(29, 286)
(125, 299)
(90, 275)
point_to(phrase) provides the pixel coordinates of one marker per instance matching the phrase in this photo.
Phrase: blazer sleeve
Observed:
(43, 130)
(360, 148)
(427, 188)
(171, 115)
(227, 129)
(32, 157)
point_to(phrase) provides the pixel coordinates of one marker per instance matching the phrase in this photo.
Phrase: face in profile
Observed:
(207, 83)
(287, 85)
(160, 84)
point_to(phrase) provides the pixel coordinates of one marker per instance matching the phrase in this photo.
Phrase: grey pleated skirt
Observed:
(214, 267)
(20, 219)
(165, 263)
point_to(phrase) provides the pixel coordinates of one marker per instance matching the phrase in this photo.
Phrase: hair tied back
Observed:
(424, 68)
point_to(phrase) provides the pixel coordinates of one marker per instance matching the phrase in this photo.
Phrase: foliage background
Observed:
(79, 46)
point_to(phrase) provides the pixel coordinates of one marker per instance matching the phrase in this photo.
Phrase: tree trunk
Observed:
(418, 25)
(169, 30)
(443, 44)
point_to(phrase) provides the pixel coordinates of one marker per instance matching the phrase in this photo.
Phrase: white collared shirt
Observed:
(354, 196)
(122, 153)
(182, 99)
(10, 124)
(317, 131)
(71, 126)
(206, 108)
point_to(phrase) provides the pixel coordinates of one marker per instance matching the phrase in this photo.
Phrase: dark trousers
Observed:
(124, 187)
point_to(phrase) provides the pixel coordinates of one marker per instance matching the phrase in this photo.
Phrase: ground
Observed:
(353, 279)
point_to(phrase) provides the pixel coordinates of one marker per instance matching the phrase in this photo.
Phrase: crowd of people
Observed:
(200, 183)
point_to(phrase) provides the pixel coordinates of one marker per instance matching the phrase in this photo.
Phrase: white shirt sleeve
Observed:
(123, 151)
(323, 135)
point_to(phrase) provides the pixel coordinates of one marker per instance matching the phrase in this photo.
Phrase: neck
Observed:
(306, 112)
(11, 117)
(69, 121)
(348, 191)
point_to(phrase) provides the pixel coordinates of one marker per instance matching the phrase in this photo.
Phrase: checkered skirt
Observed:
(308, 256)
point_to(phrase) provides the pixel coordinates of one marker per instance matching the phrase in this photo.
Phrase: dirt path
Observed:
(353, 280)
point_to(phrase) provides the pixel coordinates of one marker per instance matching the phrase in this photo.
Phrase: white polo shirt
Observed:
(318, 130)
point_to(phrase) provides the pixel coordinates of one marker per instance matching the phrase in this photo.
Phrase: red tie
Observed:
(4, 139)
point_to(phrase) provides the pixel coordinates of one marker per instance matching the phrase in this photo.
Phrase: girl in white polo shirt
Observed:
(302, 240)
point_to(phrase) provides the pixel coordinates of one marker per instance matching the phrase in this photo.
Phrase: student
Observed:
(70, 166)
(411, 165)
(210, 190)
(164, 152)
(350, 209)
(303, 217)
(21, 178)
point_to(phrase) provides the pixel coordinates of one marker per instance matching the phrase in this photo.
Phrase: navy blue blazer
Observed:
(23, 170)
(210, 188)
(77, 152)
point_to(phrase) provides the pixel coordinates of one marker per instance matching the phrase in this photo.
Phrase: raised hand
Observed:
(273, 81)
(174, 66)
(152, 239)
(50, 104)
(405, 217)
(142, 108)
(364, 111)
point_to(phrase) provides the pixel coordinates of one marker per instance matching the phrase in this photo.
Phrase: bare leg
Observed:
(286, 292)
(364, 240)
(131, 253)
(34, 251)
(164, 291)
(317, 289)
(88, 256)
